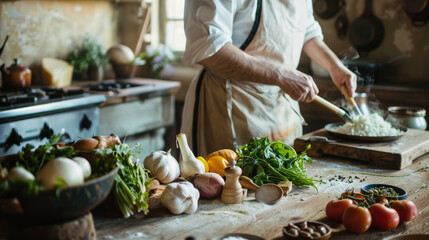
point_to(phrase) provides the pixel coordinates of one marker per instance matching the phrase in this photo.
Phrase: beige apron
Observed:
(226, 113)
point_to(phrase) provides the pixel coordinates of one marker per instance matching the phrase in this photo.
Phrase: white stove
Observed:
(34, 115)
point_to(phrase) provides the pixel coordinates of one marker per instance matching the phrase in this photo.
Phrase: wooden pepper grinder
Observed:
(232, 191)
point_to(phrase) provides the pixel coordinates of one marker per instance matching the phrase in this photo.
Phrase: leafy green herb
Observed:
(90, 53)
(132, 181)
(33, 159)
(272, 162)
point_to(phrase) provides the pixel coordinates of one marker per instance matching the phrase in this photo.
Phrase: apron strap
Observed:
(201, 77)
(254, 27)
(195, 114)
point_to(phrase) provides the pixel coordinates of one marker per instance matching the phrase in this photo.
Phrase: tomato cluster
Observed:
(358, 212)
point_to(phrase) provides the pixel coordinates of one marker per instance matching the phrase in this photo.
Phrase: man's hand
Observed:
(343, 76)
(319, 52)
(298, 85)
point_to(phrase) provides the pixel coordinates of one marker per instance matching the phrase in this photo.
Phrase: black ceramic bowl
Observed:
(401, 192)
(72, 202)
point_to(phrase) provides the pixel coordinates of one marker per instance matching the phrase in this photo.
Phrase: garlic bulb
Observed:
(163, 166)
(180, 197)
(189, 165)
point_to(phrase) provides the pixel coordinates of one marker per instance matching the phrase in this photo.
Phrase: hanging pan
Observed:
(367, 32)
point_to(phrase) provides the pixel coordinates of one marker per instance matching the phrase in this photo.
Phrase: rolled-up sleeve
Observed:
(313, 29)
(208, 27)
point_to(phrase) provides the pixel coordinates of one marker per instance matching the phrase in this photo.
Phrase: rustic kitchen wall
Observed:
(38, 29)
(401, 37)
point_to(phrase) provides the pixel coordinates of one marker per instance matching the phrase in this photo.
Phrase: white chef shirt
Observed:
(210, 24)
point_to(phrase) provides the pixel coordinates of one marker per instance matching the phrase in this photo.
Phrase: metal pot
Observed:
(412, 117)
(16, 75)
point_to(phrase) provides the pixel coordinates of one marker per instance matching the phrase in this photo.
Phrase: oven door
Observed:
(72, 124)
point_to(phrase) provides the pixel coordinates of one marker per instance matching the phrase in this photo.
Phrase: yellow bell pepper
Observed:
(206, 165)
(217, 164)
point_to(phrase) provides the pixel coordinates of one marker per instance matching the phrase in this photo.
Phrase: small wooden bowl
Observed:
(402, 194)
(288, 236)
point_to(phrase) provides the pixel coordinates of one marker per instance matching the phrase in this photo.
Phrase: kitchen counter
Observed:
(214, 218)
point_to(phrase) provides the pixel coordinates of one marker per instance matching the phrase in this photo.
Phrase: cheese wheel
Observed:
(56, 72)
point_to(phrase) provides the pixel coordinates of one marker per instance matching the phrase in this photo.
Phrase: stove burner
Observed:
(111, 86)
(26, 97)
(53, 93)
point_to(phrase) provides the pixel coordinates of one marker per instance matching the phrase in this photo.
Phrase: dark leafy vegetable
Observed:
(271, 162)
(33, 159)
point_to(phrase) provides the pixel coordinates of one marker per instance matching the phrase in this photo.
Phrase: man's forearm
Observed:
(231, 62)
(319, 52)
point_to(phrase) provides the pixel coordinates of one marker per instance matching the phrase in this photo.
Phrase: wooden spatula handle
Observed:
(329, 105)
(350, 99)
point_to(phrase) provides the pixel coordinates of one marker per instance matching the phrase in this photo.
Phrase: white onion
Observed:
(84, 164)
(60, 168)
(20, 173)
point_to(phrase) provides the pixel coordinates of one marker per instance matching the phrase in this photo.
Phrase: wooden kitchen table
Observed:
(214, 218)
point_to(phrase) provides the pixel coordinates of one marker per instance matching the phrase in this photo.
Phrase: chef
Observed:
(249, 85)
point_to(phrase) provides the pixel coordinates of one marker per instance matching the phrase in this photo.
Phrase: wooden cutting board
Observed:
(390, 155)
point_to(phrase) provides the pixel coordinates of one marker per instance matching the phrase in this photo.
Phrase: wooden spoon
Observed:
(269, 193)
(247, 183)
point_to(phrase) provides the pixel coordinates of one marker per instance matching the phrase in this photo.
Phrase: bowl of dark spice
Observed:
(388, 191)
(307, 230)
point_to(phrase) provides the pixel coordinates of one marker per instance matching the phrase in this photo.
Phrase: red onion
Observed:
(209, 184)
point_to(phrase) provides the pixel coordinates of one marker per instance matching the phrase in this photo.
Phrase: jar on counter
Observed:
(411, 117)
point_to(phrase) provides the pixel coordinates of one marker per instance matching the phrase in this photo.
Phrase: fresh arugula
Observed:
(272, 162)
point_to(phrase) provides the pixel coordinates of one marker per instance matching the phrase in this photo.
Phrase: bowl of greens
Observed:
(34, 201)
(383, 190)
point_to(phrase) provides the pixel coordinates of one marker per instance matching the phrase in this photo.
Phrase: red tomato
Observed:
(406, 209)
(357, 219)
(335, 208)
(383, 218)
